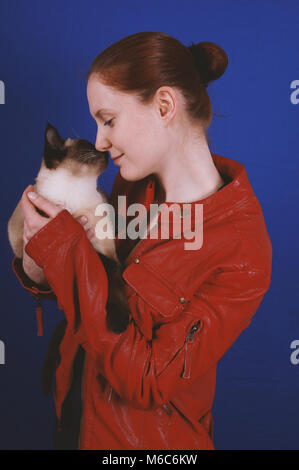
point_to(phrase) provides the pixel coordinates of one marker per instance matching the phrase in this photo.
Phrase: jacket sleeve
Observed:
(36, 290)
(143, 366)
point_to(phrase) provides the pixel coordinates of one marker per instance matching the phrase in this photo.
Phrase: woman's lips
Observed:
(117, 158)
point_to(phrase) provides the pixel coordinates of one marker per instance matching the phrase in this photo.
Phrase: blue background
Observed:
(46, 49)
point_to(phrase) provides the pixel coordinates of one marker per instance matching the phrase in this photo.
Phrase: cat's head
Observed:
(72, 153)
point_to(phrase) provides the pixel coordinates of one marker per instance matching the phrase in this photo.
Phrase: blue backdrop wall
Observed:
(46, 49)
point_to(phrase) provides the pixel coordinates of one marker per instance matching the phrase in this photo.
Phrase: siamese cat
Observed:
(68, 176)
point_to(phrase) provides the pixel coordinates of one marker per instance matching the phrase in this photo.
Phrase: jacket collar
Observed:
(237, 189)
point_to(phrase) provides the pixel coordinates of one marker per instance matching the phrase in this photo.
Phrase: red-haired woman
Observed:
(149, 382)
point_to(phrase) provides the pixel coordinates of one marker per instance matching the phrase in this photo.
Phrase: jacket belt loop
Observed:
(39, 318)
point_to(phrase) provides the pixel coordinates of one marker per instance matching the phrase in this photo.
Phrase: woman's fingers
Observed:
(83, 221)
(90, 233)
(26, 206)
(43, 204)
(33, 221)
(30, 200)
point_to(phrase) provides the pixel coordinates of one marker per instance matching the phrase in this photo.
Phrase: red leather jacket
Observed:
(152, 386)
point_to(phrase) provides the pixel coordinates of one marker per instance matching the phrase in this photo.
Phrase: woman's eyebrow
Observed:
(100, 111)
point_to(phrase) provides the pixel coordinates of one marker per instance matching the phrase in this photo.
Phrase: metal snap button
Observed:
(182, 300)
(194, 328)
(136, 260)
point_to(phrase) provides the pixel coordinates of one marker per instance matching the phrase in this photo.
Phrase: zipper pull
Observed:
(110, 394)
(186, 374)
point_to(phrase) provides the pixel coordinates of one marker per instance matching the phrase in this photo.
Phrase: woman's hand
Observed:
(33, 222)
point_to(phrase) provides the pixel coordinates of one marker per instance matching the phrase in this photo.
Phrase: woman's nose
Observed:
(102, 144)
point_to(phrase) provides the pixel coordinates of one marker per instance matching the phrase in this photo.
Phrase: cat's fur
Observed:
(68, 176)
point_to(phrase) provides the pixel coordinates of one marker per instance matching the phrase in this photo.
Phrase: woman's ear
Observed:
(166, 103)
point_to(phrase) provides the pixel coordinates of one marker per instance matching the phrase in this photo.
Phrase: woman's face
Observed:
(128, 128)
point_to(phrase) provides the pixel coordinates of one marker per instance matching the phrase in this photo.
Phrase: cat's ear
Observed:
(53, 151)
(52, 137)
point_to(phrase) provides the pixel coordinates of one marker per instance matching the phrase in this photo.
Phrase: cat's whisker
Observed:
(88, 156)
(77, 135)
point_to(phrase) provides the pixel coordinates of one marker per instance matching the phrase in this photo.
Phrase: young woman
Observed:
(151, 386)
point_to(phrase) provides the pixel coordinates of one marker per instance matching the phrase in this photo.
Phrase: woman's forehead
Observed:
(103, 97)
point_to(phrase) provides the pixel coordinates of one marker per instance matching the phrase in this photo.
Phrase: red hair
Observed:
(143, 62)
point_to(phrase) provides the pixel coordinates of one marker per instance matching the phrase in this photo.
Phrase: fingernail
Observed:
(83, 219)
(31, 195)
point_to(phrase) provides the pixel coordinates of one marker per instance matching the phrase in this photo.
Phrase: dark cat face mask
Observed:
(80, 151)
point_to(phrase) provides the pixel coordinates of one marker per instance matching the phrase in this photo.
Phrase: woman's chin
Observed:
(129, 175)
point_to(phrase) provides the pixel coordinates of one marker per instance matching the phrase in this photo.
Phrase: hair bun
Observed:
(210, 60)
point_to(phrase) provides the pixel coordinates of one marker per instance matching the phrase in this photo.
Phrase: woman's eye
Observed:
(107, 123)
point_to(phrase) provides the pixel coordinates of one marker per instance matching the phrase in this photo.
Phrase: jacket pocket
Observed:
(166, 300)
(188, 344)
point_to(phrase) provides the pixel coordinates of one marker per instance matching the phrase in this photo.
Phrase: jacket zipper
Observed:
(186, 374)
(110, 394)
(187, 361)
